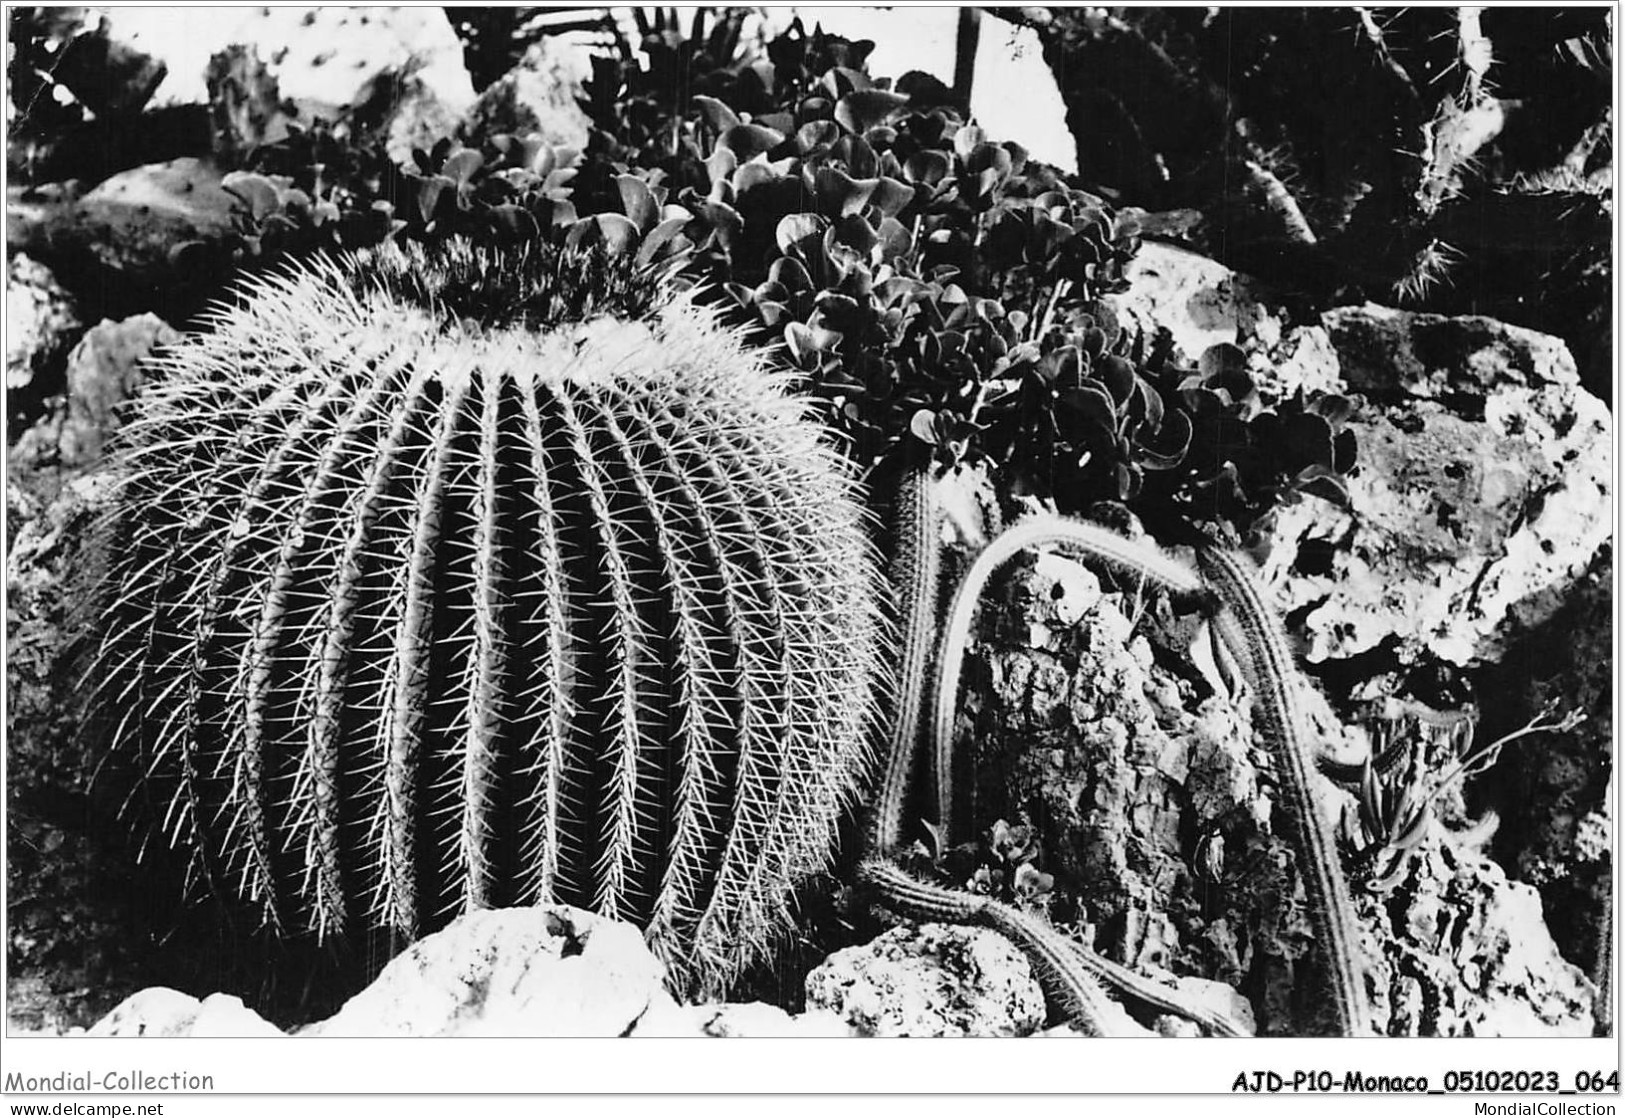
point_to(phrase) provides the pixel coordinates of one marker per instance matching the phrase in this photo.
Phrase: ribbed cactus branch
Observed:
(409, 614)
(915, 571)
(1251, 630)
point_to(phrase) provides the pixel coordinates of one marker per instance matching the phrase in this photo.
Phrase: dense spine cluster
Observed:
(408, 615)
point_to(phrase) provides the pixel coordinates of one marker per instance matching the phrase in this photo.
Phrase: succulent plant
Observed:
(448, 579)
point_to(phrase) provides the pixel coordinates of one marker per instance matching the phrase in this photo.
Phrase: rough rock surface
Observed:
(129, 222)
(324, 59)
(161, 1012)
(1483, 492)
(934, 980)
(537, 95)
(40, 321)
(1552, 794)
(68, 945)
(1471, 956)
(1201, 303)
(549, 971)
(1152, 814)
(103, 372)
(1142, 784)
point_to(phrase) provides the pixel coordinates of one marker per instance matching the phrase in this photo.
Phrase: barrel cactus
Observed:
(439, 581)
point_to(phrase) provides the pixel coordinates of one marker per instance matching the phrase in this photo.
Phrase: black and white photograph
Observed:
(812, 523)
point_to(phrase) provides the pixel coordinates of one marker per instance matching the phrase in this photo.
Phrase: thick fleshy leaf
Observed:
(1091, 402)
(616, 233)
(891, 196)
(860, 158)
(720, 164)
(1308, 439)
(1321, 482)
(840, 194)
(428, 194)
(1334, 409)
(856, 233)
(716, 114)
(924, 426)
(751, 175)
(1148, 403)
(1344, 449)
(967, 139)
(789, 273)
(258, 193)
(839, 81)
(1223, 367)
(895, 239)
(725, 223)
(816, 108)
(637, 202)
(1165, 449)
(927, 166)
(794, 229)
(661, 237)
(1118, 377)
(863, 109)
(816, 134)
(512, 221)
(461, 166)
(750, 140)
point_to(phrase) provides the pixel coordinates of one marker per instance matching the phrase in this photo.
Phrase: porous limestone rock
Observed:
(1201, 303)
(129, 222)
(1470, 954)
(1142, 786)
(934, 980)
(159, 1011)
(1483, 490)
(40, 320)
(541, 971)
(325, 59)
(104, 370)
(537, 95)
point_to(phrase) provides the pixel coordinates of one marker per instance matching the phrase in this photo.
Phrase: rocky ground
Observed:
(1472, 571)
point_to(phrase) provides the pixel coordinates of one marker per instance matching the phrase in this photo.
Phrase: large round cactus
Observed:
(489, 579)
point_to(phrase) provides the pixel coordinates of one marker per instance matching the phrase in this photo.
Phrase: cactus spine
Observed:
(409, 614)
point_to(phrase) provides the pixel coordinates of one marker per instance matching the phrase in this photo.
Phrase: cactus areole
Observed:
(480, 578)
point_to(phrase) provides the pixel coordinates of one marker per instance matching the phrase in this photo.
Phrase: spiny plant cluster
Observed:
(938, 292)
(407, 612)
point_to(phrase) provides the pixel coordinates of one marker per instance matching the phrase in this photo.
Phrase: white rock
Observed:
(1484, 489)
(155, 1011)
(554, 971)
(39, 317)
(222, 1015)
(935, 980)
(159, 1011)
(131, 221)
(324, 58)
(538, 95)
